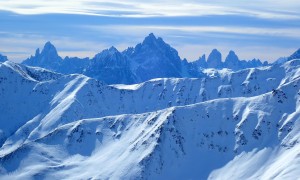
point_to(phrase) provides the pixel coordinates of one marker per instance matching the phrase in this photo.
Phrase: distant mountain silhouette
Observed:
(153, 58)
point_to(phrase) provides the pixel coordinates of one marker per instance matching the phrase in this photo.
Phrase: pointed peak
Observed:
(231, 52)
(48, 45)
(151, 35)
(203, 57)
(214, 59)
(113, 49)
(49, 50)
(215, 51)
(37, 52)
(107, 53)
(150, 38)
(232, 57)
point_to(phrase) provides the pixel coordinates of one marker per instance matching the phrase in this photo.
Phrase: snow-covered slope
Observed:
(72, 126)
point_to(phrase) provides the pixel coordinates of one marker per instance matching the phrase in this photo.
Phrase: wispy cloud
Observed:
(85, 27)
(136, 29)
(133, 8)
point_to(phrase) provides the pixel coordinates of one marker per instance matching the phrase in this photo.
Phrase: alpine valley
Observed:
(145, 113)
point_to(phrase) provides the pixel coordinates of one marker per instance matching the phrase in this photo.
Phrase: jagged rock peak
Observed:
(152, 40)
(113, 49)
(110, 53)
(37, 52)
(231, 57)
(49, 49)
(215, 54)
(202, 58)
(214, 59)
(48, 45)
(201, 62)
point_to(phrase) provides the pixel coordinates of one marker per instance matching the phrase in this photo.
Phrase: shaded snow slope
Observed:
(164, 144)
(163, 128)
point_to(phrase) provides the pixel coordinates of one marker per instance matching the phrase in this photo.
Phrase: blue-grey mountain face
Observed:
(111, 67)
(153, 58)
(214, 59)
(48, 58)
(72, 65)
(232, 61)
(201, 62)
(3, 58)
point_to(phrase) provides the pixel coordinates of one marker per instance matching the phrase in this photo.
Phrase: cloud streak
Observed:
(133, 8)
(74, 25)
(275, 32)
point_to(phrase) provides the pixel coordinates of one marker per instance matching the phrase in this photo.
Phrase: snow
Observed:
(225, 125)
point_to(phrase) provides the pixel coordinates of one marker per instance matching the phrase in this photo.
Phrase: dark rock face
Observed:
(214, 59)
(48, 58)
(153, 58)
(111, 67)
(232, 61)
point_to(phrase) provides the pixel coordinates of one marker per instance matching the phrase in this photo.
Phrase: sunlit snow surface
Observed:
(226, 125)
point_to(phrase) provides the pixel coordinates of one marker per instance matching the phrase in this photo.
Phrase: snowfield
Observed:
(226, 125)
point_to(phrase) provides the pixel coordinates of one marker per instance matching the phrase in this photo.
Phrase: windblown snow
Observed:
(225, 125)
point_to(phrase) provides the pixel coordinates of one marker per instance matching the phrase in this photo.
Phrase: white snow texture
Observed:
(225, 125)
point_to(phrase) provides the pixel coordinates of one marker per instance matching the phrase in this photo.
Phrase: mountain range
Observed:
(226, 124)
(198, 120)
(153, 58)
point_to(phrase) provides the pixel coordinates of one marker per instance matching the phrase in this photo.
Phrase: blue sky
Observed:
(265, 29)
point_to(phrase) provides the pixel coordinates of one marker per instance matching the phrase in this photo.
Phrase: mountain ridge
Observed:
(155, 129)
(194, 123)
(153, 58)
